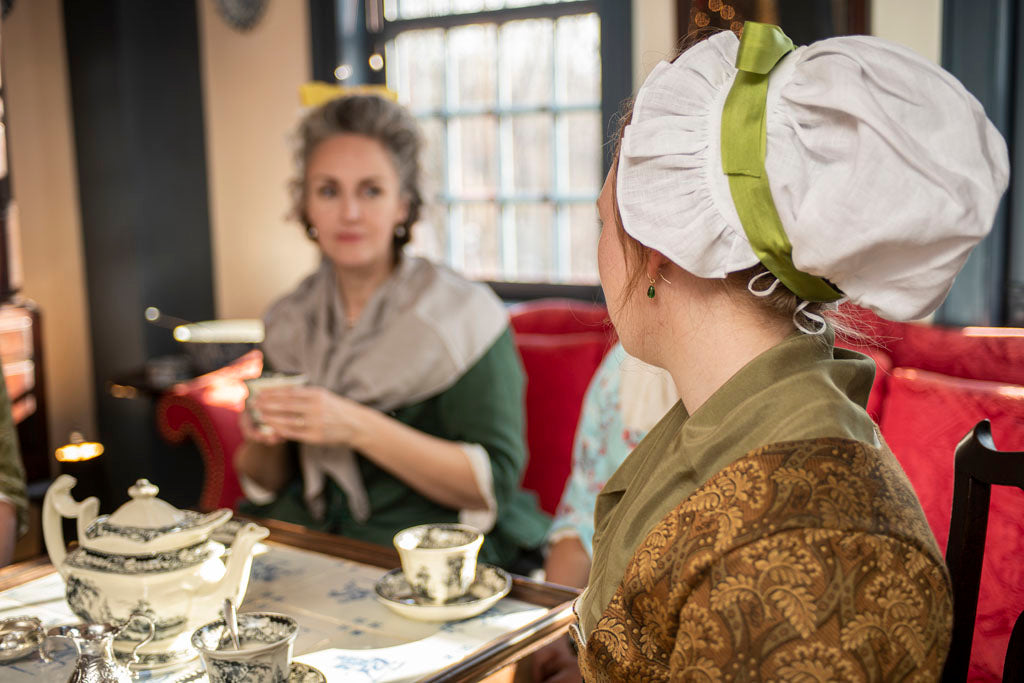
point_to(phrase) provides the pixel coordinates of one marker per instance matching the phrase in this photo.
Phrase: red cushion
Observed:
(559, 316)
(206, 409)
(989, 353)
(926, 415)
(562, 343)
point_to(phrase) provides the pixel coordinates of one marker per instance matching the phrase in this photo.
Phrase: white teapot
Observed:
(147, 557)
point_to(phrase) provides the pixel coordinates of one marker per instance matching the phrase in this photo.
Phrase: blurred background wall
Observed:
(250, 103)
(42, 155)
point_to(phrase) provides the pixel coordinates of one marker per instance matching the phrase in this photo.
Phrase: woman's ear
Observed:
(655, 261)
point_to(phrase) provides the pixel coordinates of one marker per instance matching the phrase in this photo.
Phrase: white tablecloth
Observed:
(344, 631)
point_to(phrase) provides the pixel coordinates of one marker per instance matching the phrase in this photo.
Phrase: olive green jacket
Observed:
(12, 471)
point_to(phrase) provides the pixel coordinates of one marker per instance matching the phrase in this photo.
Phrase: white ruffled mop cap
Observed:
(884, 170)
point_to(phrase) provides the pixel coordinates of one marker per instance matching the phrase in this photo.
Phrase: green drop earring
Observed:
(650, 288)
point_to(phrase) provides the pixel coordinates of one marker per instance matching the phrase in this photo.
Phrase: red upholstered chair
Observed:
(561, 342)
(206, 409)
(925, 416)
(989, 353)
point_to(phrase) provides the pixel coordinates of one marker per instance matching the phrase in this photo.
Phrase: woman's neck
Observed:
(357, 287)
(703, 354)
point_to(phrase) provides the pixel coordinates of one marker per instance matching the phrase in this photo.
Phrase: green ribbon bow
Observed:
(744, 139)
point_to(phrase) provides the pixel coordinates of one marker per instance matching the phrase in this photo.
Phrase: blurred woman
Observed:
(414, 408)
(762, 529)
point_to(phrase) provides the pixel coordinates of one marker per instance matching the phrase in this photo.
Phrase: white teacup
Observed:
(265, 655)
(258, 384)
(439, 560)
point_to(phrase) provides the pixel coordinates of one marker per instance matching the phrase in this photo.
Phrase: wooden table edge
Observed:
(14, 575)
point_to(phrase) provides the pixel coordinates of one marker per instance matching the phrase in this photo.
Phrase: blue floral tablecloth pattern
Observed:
(343, 630)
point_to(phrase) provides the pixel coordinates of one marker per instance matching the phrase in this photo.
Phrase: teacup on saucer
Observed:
(265, 655)
(491, 585)
(439, 560)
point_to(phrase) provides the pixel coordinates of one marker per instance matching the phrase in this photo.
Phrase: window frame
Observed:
(338, 37)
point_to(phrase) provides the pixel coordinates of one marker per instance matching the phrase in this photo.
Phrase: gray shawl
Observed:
(420, 332)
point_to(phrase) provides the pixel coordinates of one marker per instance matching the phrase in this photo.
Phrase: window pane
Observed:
(456, 80)
(578, 55)
(477, 226)
(429, 236)
(580, 141)
(419, 69)
(529, 153)
(535, 235)
(473, 79)
(583, 236)
(473, 165)
(525, 3)
(526, 54)
(432, 159)
(463, 6)
(412, 9)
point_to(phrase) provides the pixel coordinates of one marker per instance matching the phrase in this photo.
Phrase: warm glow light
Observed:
(225, 392)
(152, 313)
(123, 391)
(79, 450)
(993, 332)
(182, 333)
(342, 72)
(376, 62)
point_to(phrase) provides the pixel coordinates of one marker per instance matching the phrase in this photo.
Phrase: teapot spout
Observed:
(236, 575)
(58, 503)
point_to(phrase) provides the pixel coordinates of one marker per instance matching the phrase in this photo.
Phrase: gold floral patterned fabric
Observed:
(802, 561)
(802, 388)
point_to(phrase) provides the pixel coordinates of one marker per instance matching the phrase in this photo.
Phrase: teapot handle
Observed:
(134, 659)
(58, 503)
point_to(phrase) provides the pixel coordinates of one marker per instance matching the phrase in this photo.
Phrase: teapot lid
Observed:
(146, 524)
(145, 510)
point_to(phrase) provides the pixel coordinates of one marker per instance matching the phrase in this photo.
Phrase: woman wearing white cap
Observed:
(763, 530)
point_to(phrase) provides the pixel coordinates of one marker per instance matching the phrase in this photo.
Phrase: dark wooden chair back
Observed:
(978, 466)
(1013, 668)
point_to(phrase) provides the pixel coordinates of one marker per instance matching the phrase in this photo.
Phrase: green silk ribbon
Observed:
(744, 141)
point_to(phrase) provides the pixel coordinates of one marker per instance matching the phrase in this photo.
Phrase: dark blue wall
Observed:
(138, 125)
(979, 46)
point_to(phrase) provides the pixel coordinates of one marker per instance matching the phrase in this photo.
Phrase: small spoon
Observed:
(232, 622)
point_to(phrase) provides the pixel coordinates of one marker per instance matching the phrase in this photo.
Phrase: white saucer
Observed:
(297, 673)
(491, 585)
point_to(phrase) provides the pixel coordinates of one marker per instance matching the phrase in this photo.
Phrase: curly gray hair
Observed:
(380, 119)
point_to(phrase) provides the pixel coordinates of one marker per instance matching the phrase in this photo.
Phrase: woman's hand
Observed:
(263, 434)
(436, 468)
(311, 415)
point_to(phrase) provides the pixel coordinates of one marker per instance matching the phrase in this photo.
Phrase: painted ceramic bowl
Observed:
(439, 560)
(265, 654)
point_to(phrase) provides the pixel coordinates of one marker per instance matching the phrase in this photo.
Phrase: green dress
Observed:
(485, 407)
